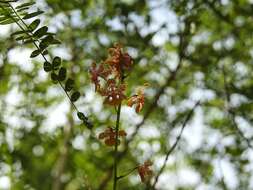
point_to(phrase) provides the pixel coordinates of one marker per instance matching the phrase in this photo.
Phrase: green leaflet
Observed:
(34, 25)
(34, 14)
(75, 96)
(40, 32)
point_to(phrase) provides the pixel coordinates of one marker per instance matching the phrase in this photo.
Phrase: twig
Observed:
(218, 13)
(231, 112)
(187, 119)
(126, 174)
(224, 18)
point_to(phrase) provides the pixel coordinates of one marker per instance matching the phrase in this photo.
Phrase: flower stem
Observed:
(116, 149)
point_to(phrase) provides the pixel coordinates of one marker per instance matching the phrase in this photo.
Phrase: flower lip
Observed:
(109, 136)
(96, 72)
(138, 99)
(144, 171)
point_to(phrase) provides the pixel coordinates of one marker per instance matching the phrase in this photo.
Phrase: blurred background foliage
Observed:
(187, 50)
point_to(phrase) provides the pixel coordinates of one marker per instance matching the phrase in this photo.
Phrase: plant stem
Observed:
(116, 149)
(185, 122)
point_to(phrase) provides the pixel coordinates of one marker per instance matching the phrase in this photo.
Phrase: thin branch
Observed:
(187, 119)
(126, 174)
(218, 13)
(231, 113)
(225, 18)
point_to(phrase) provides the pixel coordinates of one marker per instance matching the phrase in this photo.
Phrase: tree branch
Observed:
(187, 119)
(231, 113)
(126, 174)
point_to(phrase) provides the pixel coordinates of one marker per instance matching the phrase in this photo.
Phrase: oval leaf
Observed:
(47, 66)
(45, 52)
(18, 33)
(47, 39)
(81, 116)
(62, 74)
(54, 77)
(34, 25)
(35, 53)
(22, 38)
(55, 42)
(8, 21)
(75, 96)
(56, 63)
(25, 5)
(43, 46)
(28, 41)
(41, 32)
(34, 14)
(45, 42)
(69, 85)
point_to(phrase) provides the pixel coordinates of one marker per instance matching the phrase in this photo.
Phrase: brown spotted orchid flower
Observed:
(96, 72)
(109, 136)
(126, 61)
(114, 93)
(144, 171)
(114, 57)
(137, 100)
(119, 60)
